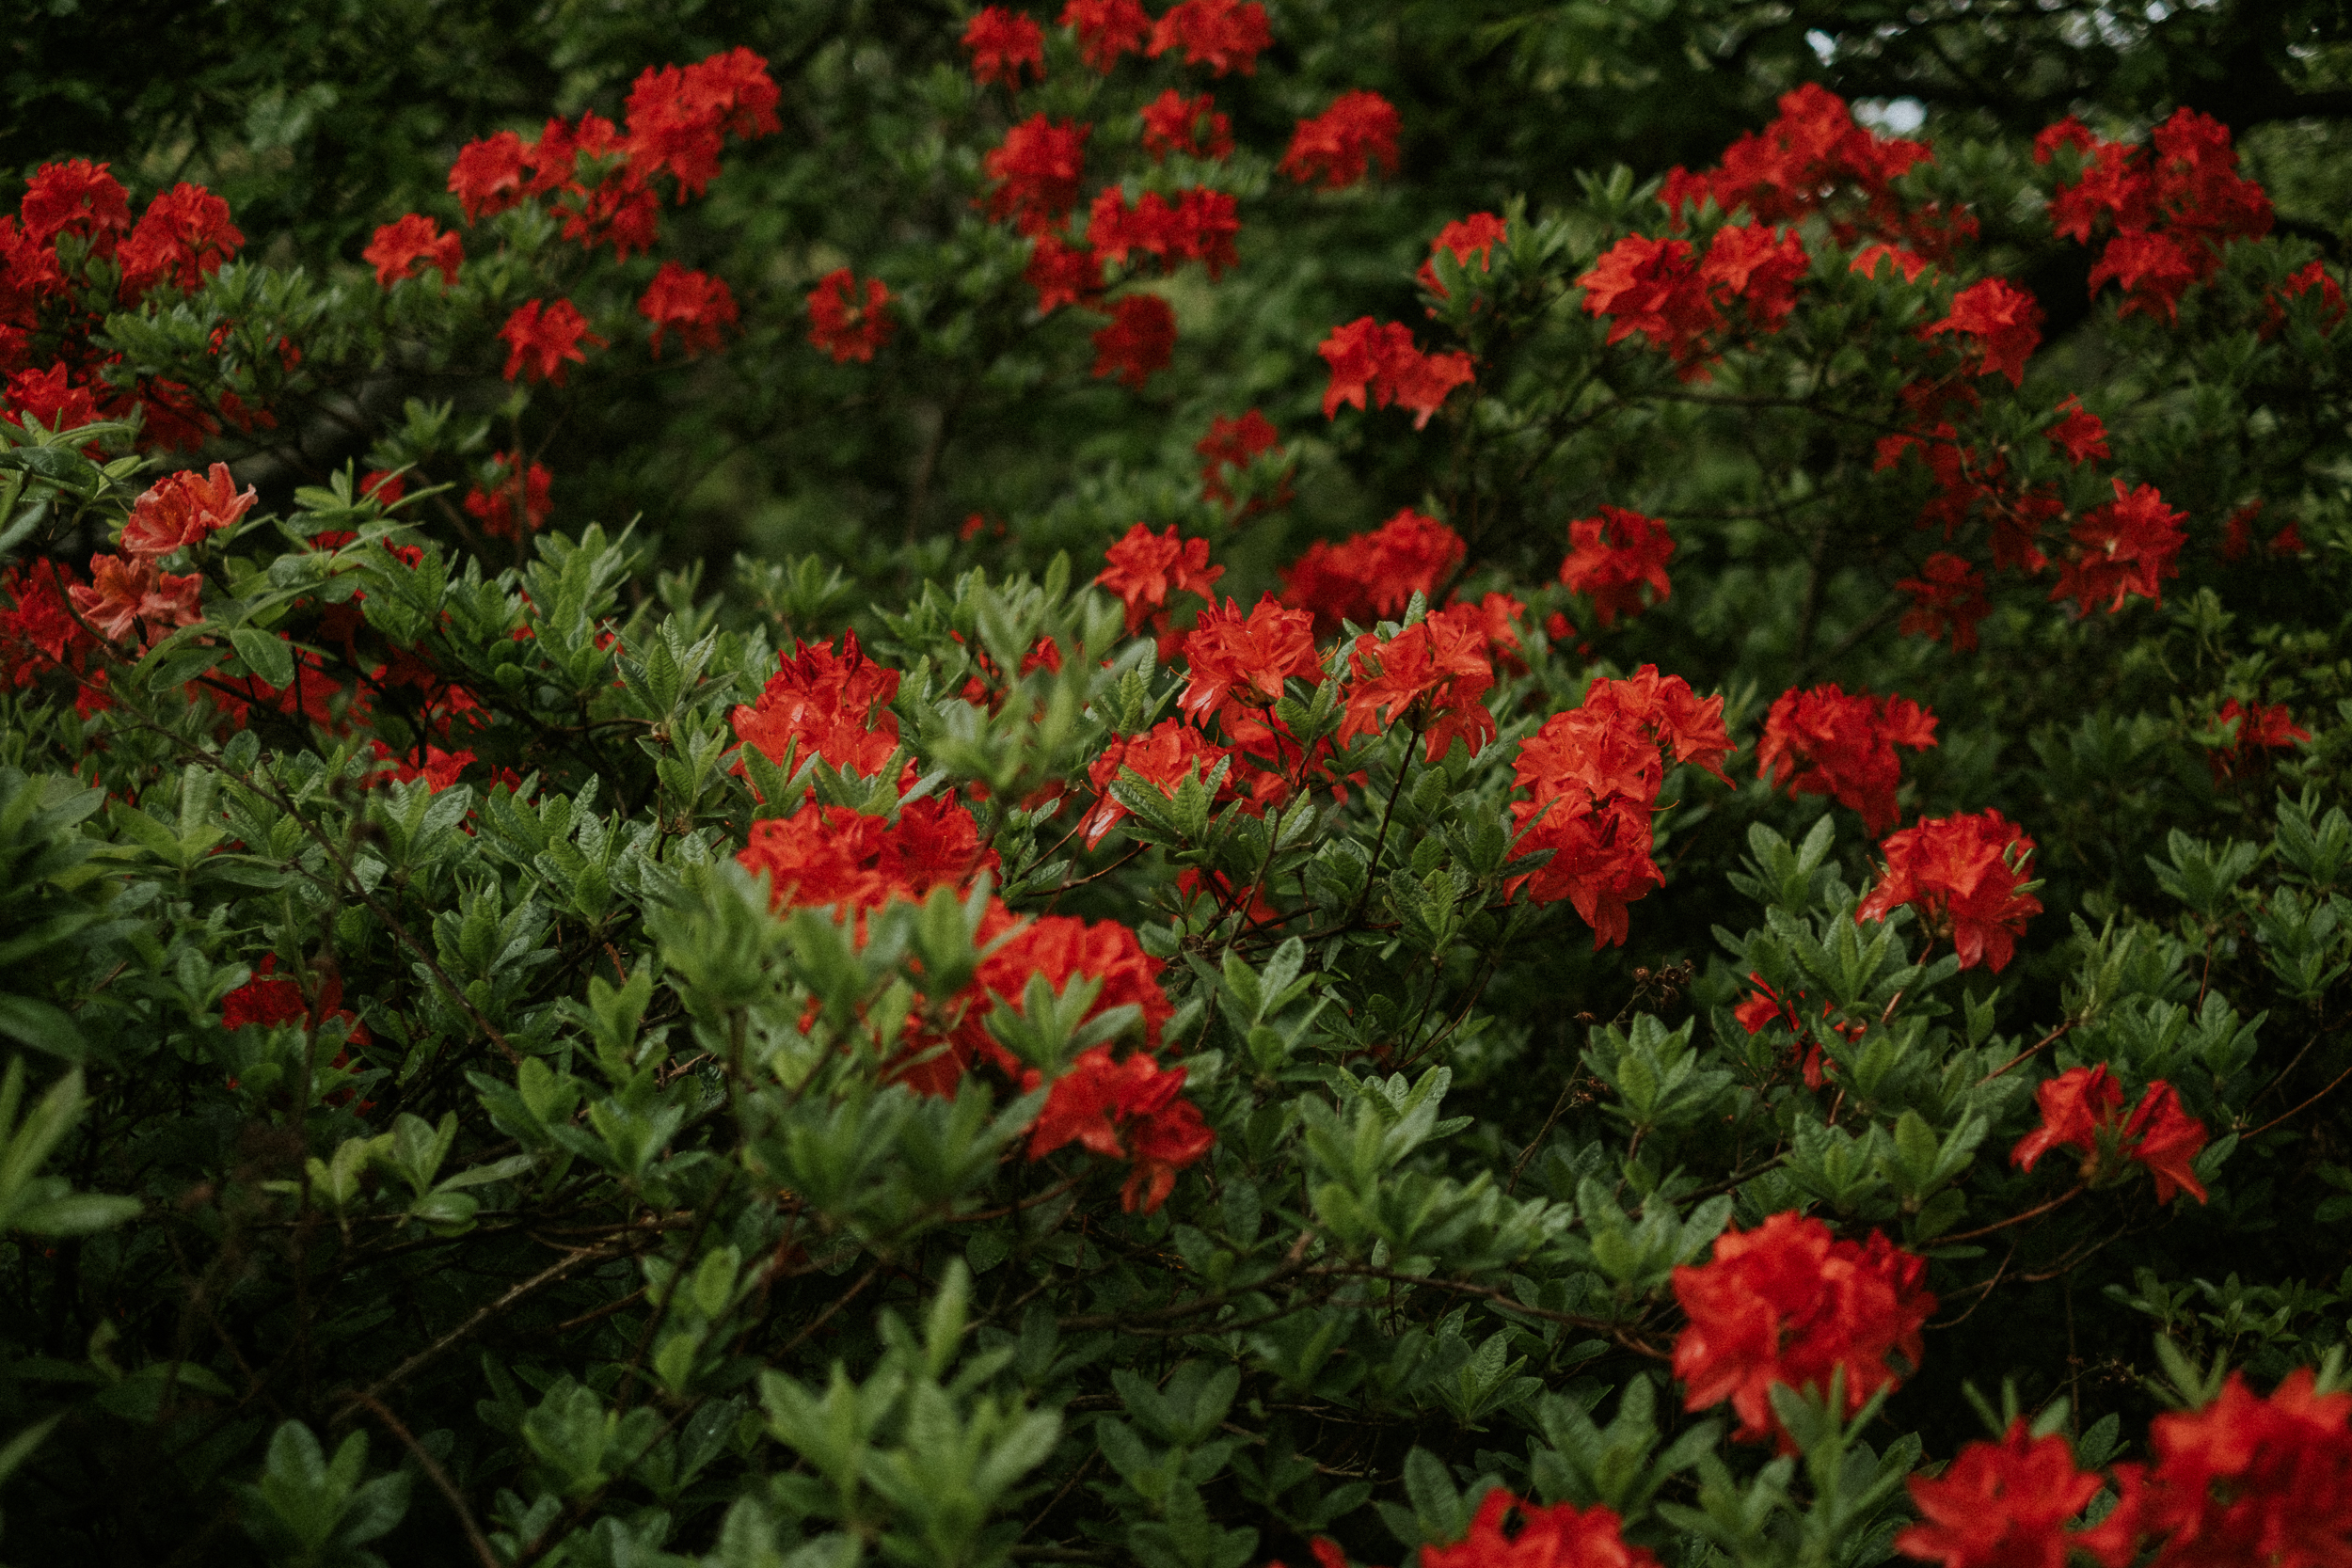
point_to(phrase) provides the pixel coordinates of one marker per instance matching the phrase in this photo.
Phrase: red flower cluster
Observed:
(1106, 30)
(1372, 577)
(37, 631)
(1034, 175)
(1467, 239)
(1164, 756)
(830, 857)
(1378, 358)
(1434, 676)
(1824, 742)
(1813, 157)
(1789, 1303)
(129, 595)
(184, 509)
(2078, 433)
(1966, 875)
(1666, 292)
(2238, 535)
(1223, 35)
(1560, 1536)
(1175, 124)
(696, 306)
(2167, 217)
(437, 767)
(408, 244)
(1947, 597)
(270, 999)
(1611, 556)
(515, 501)
(1061, 273)
(2000, 1504)
(1003, 44)
(2079, 1109)
(2128, 546)
(1129, 1110)
(1198, 225)
(542, 340)
(74, 257)
(2243, 1480)
(2328, 312)
(677, 124)
(1235, 444)
(1338, 145)
(2005, 323)
(825, 704)
(844, 325)
(2253, 731)
(1139, 340)
(1144, 569)
(1593, 775)
(1236, 662)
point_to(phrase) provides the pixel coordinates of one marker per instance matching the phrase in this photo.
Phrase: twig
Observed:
(481, 1318)
(2065, 1198)
(439, 1477)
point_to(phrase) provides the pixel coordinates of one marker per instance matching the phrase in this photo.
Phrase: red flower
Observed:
(1909, 264)
(830, 857)
(1496, 618)
(679, 116)
(1366, 356)
(1812, 154)
(2126, 546)
(2328, 314)
(1789, 1303)
(488, 177)
(513, 500)
(401, 247)
(1337, 145)
(438, 770)
(1164, 756)
(1144, 569)
(1965, 875)
(2154, 270)
(698, 305)
(1061, 273)
(840, 325)
(2000, 1505)
(1759, 267)
(1175, 124)
(1036, 173)
(1243, 659)
(1610, 558)
(542, 340)
(38, 630)
(1469, 239)
(181, 239)
(2243, 1480)
(2253, 731)
(1372, 577)
(1824, 742)
(383, 486)
(1433, 675)
(184, 509)
(1593, 776)
(1106, 30)
(824, 704)
(75, 196)
(1131, 1109)
(1948, 595)
(127, 595)
(2078, 433)
(1232, 444)
(1652, 287)
(1223, 35)
(50, 398)
(1560, 1536)
(1002, 43)
(2005, 322)
(1200, 226)
(1141, 339)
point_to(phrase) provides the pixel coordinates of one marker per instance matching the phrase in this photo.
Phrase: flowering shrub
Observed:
(1186, 1024)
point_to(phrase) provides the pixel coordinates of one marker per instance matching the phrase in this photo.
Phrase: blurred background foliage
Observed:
(318, 122)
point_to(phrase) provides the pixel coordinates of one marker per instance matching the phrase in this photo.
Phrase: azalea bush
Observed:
(1674, 891)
